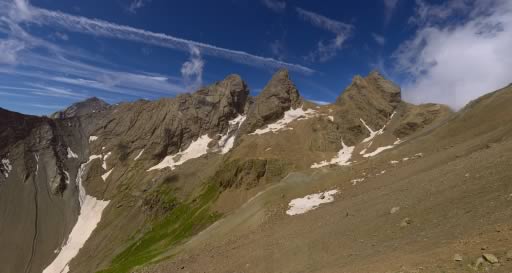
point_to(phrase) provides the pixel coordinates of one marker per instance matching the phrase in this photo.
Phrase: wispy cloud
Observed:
(51, 91)
(9, 49)
(275, 5)
(137, 4)
(107, 29)
(389, 9)
(379, 39)
(279, 49)
(329, 49)
(453, 62)
(192, 70)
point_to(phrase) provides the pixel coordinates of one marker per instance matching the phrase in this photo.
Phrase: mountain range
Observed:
(221, 181)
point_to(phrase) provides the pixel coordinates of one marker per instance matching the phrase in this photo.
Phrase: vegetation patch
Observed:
(183, 221)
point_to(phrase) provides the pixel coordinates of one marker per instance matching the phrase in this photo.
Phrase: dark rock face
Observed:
(38, 203)
(85, 107)
(278, 96)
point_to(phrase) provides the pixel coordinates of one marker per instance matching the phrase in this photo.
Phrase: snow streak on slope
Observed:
(106, 175)
(378, 151)
(373, 134)
(91, 210)
(195, 149)
(341, 159)
(310, 202)
(138, 156)
(71, 154)
(228, 140)
(289, 116)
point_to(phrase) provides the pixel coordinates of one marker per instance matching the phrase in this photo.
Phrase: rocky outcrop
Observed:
(278, 96)
(417, 117)
(167, 126)
(91, 105)
(372, 99)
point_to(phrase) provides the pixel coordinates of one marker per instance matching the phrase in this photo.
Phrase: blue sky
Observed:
(56, 52)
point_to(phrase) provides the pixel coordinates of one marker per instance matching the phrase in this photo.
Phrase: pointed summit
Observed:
(372, 93)
(278, 96)
(81, 108)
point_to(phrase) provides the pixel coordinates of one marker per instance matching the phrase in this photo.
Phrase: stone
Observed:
(457, 257)
(394, 210)
(405, 222)
(509, 255)
(490, 258)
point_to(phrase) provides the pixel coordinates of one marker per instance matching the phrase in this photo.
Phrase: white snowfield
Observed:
(93, 138)
(289, 116)
(341, 159)
(6, 166)
(227, 141)
(310, 202)
(71, 154)
(196, 149)
(91, 210)
(138, 156)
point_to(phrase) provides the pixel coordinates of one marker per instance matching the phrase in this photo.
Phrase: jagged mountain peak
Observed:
(278, 96)
(373, 91)
(81, 108)
(281, 88)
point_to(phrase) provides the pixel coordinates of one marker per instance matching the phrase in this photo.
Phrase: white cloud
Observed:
(389, 9)
(21, 10)
(379, 39)
(9, 49)
(137, 4)
(192, 70)
(111, 30)
(454, 62)
(326, 50)
(275, 5)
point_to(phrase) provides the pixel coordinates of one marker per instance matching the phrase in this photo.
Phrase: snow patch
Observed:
(71, 154)
(7, 167)
(341, 159)
(106, 175)
(104, 164)
(138, 156)
(91, 210)
(310, 202)
(194, 150)
(289, 116)
(373, 134)
(92, 138)
(405, 159)
(357, 180)
(378, 151)
(393, 162)
(331, 118)
(67, 177)
(227, 141)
